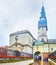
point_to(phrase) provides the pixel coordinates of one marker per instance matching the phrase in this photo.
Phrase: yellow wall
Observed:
(52, 46)
(41, 48)
(38, 48)
(44, 48)
(34, 48)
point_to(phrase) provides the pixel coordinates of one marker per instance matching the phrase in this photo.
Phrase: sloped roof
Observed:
(36, 42)
(51, 41)
(53, 53)
(22, 32)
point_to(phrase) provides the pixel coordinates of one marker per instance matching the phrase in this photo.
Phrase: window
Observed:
(46, 48)
(42, 40)
(51, 49)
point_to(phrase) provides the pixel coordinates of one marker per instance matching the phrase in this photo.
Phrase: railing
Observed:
(52, 62)
(52, 57)
(15, 57)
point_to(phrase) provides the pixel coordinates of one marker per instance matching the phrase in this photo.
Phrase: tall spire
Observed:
(42, 26)
(42, 22)
(43, 14)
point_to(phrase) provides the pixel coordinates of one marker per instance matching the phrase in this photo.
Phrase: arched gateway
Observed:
(17, 53)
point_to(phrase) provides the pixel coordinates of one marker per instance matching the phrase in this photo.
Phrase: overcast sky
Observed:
(24, 15)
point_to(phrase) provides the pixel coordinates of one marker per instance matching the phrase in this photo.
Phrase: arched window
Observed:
(51, 49)
(42, 40)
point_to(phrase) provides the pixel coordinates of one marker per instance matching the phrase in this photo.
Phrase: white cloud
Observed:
(24, 14)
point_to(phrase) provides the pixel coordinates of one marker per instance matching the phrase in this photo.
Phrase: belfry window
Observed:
(42, 40)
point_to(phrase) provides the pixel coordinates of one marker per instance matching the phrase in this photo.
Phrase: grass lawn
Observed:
(13, 60)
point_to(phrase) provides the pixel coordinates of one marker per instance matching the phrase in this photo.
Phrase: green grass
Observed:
(13, 60)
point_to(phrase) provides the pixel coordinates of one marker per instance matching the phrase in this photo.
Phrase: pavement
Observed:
(52, 61)
(27, 62)
(19, 63)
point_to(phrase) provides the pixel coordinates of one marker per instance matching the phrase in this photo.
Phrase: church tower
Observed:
(42, 26)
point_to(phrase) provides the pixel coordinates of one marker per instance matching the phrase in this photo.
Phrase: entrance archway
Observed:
(37, 54)
(17, 53)
(37, 58)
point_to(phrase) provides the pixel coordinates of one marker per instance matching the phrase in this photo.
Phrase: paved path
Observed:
(52, 61)
(19, 63)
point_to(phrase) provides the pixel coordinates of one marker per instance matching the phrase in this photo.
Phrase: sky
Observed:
(18, 15)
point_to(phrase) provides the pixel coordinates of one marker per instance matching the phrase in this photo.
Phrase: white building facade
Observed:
(22, 41)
